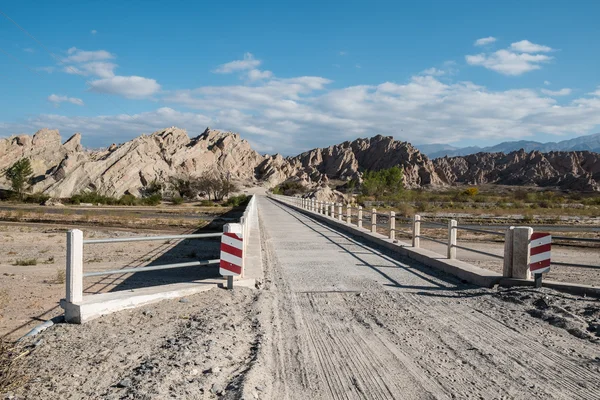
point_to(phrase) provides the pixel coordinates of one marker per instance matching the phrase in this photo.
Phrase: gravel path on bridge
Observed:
(343, 321)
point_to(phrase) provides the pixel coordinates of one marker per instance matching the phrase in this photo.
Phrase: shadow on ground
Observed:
(171, 252)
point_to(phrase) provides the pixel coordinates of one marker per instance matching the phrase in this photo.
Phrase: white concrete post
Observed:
(507, 269)
(392, 225)
(348, 214)
(452, 239)
(332, 209)
(359, 222)
(374, 220)
(416, 240)
(74, 266)
(340, 212)
(521, 247)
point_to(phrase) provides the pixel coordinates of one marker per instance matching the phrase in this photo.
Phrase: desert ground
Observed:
(32, 254)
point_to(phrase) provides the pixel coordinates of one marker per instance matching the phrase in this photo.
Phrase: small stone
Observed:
(39, 343)
(184, 300)
(217, 388)
(125, 383)
(214, 370)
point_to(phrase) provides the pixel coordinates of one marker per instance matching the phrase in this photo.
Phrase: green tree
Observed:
(383, 183)
(19, 174)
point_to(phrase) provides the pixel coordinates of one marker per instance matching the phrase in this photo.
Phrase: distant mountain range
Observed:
(581, 143)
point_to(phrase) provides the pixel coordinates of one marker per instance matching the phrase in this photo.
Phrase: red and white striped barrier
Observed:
(541, 244)
(232, 250)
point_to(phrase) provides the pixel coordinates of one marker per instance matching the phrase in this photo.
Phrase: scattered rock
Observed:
(125, 383)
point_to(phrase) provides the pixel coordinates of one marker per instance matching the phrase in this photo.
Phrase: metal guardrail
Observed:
(485, 253)
(148, 238)
(75, 246)
(576, 239)
(151, 268)
(363, 219)
(480, 230)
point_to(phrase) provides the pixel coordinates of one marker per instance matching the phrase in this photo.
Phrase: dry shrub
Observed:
(60, 277)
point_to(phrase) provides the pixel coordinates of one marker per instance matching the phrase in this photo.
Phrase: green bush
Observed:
(208, 203)
(237, 201)
(289, 188)
(37, 198)
(153, 200)
(177, 200)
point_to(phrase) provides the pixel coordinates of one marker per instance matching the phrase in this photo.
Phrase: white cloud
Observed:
(343, 53)
(547, 83)
(507, 62)
(525, 46)
(81, 56)
(93, 31)
(554, 93)
(100, 69)
(57, 99)
(127, 86)
(485, 41)
(433, 72)
(256, 74)
(94, 63)
(29, 50)
(249, 62)
(290, 115)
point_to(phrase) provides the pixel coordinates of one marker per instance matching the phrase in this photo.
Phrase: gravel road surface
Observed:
(344, 321)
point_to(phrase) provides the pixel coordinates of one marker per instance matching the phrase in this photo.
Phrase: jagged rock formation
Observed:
(65, 169)
(347, 160)
(578, 170)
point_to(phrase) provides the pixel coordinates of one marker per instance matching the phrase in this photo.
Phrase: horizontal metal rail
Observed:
(480, 230)
(432, 239)
(576, 239)
(402, 218)
(575, 265)
(434, 223)
(146, 238)
(479, 252)
(153, 268)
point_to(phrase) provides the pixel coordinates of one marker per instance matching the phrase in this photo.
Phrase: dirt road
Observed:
(344, 321)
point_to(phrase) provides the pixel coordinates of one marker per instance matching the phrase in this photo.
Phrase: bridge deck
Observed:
(350, 322)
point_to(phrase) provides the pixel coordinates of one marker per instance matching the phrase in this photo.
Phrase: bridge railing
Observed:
(75, 252)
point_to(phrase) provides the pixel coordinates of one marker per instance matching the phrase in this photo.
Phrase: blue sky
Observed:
(289, 76)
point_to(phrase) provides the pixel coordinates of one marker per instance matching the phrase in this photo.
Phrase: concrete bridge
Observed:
(353, 320)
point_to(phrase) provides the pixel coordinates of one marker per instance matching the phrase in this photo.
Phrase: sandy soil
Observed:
(29, 294)
(199, 347)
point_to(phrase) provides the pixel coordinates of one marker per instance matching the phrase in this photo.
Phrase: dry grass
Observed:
(26, 261)
(11, 356)
(60, 276)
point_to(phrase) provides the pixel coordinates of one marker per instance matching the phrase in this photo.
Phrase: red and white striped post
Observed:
(232, 253)
(540, 255)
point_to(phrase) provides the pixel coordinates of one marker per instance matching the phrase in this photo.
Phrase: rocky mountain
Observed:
(64, 169)
(61, 170)
(582, 143)
(576, 170)
(347, 160)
